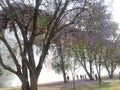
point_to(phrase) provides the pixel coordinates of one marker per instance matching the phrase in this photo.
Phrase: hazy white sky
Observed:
(116, 11)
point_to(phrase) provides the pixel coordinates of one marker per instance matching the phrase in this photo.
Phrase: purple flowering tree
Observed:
(93, 34)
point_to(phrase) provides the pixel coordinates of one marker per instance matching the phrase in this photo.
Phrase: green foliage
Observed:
(43, 21)
(1, 72)
(110, 85)
(59, 61)
(56, 65)
(113, 28)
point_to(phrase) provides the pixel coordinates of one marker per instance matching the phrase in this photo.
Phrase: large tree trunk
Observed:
(91, 74)
(33, 82)
(31, 86)
(111, 76)
(25, 82)
(99, 76)
(25, 85)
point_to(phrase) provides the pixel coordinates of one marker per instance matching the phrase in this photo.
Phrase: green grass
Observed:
(111, 85)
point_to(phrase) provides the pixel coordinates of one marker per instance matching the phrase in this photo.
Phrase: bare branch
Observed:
(38, 2)
(72, 22)
(12, 54)
(6, 67)
(22, 52)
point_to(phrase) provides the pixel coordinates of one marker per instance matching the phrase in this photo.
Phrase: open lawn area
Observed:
(105, 85)
(112, 85)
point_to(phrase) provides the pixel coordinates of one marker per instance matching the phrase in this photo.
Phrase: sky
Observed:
(116, 11)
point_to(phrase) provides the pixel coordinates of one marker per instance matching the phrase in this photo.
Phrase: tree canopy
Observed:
(79, 25)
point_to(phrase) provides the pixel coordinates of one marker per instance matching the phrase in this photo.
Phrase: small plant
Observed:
(1, 72)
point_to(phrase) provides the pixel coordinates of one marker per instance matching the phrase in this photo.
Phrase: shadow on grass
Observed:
(104, 85)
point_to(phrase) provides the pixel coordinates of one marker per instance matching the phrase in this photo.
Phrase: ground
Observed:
(112, 84)
(107, 84)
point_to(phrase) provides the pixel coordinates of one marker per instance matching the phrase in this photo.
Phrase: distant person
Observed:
(96, 77)
(68, 78)
(77, 77)
(81, 77)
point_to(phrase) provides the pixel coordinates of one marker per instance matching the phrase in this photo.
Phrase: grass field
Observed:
(107, 85)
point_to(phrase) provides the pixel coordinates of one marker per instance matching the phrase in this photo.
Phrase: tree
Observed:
(82, 56)
(59, 63)
(111, 50)
(73, 65)
(88, 38)
(36, 27)
(109, 60)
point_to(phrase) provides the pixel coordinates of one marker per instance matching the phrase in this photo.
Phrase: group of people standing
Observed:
(82, 77)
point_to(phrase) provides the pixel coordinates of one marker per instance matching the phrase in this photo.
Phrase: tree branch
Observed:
(6, 67)
(72, 22)
(38, 2)
(12, 54)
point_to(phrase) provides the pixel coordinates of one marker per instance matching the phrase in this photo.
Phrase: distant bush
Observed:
(1, 72)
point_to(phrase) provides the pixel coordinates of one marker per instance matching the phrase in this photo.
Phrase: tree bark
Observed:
(25, 85)
(64, 74)
(62, 63)
(33, 82)
(99, 73)
(99, 76)
(110, 69)
(89, 74)
(110, 74)
(32, 85)
(74, 87)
